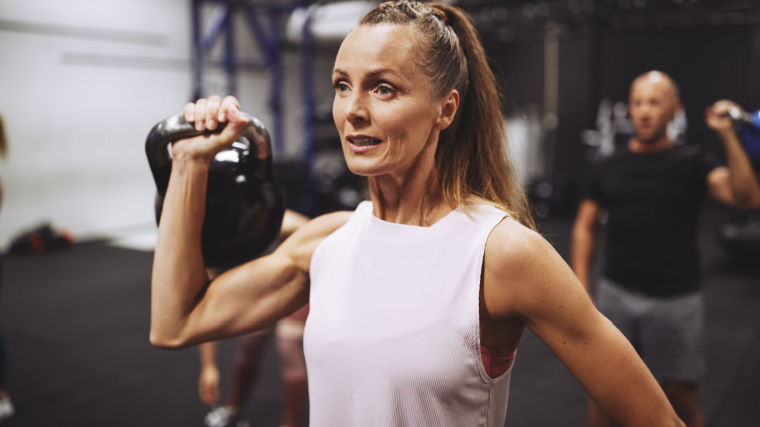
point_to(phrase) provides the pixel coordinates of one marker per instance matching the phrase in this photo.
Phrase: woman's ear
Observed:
(449, 106)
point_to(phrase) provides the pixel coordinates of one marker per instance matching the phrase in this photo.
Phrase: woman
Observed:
(418, 298)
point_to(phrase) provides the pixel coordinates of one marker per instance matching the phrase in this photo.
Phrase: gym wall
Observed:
(81, 84)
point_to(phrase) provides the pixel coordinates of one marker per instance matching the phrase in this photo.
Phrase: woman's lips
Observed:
(361, 144)
(364, 140)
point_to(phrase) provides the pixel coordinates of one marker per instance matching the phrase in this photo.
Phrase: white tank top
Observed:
(392, 337)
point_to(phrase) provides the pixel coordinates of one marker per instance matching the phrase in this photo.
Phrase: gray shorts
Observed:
(668, 332)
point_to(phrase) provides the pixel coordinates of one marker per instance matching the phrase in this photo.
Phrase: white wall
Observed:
(77, 109)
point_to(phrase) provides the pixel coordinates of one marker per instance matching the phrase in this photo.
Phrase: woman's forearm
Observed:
(179, 276)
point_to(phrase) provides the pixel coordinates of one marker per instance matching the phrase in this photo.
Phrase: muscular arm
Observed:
(525, 279)
(584, 240)
(185, 307)
(208, 384)
(244, 299)
(735, 185)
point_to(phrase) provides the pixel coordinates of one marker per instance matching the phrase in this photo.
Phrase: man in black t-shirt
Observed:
(652, 192)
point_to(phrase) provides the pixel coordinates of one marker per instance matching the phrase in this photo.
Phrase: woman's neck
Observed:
(413, 198)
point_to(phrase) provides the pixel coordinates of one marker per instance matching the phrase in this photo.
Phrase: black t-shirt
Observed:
(653, 202)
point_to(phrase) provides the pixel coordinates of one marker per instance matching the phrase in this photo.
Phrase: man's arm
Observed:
(584, 239)
(735, 185)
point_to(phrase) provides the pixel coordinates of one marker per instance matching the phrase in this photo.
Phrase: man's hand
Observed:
(717, 117)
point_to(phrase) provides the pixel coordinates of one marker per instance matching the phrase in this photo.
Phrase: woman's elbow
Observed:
(166, 341)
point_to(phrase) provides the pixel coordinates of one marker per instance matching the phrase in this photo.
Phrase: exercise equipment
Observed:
(748, 129)
(244, 205)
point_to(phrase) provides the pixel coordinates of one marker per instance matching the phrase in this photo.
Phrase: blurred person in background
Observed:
(652, 191)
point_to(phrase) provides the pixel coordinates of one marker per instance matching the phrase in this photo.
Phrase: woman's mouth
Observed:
(363, 141)
(362, 144)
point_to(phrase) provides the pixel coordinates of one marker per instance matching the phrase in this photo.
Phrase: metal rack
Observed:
(263, 19)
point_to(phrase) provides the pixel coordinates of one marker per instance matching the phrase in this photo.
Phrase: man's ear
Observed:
(449, 105)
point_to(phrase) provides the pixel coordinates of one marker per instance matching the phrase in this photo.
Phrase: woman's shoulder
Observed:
(521, 268)
(511, 241)
(301, 245)
(516, 252)
(326, 224)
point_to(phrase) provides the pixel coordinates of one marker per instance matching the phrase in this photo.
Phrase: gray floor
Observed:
(76, 326)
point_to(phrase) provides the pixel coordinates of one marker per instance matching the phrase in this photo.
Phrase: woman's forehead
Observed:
(383, 45)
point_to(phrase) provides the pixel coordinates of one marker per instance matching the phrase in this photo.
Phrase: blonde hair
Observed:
(471, 158)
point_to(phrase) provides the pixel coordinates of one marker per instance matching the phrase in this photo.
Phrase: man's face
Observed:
(652, 105)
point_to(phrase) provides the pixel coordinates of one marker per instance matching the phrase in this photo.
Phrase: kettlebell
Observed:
(748, 129)
(244, 205)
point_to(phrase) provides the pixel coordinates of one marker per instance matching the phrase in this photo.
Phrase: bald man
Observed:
(652, 192)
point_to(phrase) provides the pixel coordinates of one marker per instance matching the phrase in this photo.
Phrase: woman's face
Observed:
(382, 106)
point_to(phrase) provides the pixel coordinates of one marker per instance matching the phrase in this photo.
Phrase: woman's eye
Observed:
(384, 90)
(340, 86)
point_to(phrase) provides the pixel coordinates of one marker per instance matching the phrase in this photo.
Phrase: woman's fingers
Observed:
(229, 102)
(208, 113)
(212, 111)
(189, 112)
(200, 114)
(236, 122)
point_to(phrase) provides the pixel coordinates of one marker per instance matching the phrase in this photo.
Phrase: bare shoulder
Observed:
(512, 245)
(522, 269)
(301, 244)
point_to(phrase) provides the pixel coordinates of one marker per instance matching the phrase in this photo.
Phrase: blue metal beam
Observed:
(269, 40)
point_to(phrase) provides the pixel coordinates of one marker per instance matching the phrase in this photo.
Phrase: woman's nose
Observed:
(356, 109)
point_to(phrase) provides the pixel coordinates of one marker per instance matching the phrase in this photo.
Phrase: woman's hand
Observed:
(207, 114)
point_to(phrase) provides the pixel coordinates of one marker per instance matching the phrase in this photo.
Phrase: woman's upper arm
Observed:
(528, 280)
(257, 294)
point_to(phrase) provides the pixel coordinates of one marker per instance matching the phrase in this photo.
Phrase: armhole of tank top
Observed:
(320, 246)
(481, 258)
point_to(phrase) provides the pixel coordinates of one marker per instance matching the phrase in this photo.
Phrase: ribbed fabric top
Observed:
(392, 337)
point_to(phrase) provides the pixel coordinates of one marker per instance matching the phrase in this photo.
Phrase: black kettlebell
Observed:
(244, 206)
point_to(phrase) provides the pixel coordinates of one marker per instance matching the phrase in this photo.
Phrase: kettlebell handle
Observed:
(176, 127)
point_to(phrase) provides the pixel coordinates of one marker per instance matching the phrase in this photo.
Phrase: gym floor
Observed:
(76, 326)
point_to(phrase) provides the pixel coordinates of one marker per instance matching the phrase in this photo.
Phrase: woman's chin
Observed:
(364, 167)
